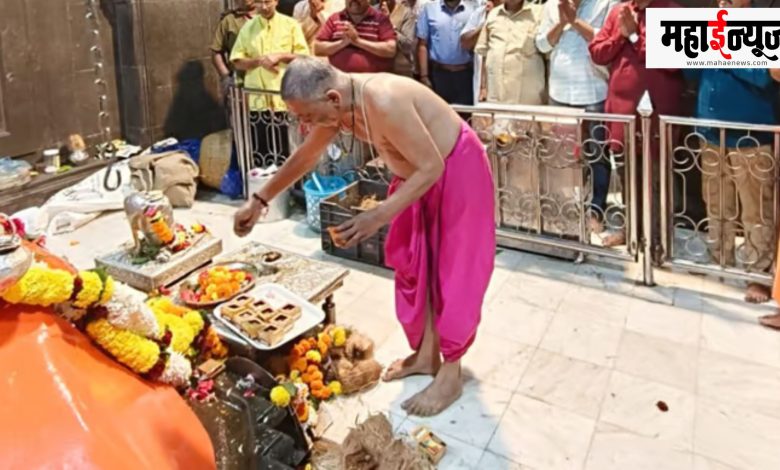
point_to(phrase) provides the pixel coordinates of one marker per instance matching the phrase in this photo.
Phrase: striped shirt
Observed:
(574, 79)
(375, 26)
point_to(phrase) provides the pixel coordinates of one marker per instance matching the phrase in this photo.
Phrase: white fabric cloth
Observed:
(574, 79)
(78, 205)
(476, 21)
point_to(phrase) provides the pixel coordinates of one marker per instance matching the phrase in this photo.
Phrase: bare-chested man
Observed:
(441, 241)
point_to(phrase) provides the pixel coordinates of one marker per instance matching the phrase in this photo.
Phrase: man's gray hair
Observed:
(307, 78)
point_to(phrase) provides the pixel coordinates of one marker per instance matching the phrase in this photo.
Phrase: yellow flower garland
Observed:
(194, 320)
(44, 286)
(108, 291)
(91, 288)
(41, 286)
(165, 305)
(134, 351)
(184, 328)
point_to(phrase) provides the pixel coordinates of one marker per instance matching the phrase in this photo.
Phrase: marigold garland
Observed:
(195, 320)
(108, 290)
(308, 360)
(166, 305)
(41, 286)
(149, 339)
(134, 351)
(213, 345)
(91, 288)
(182, 332)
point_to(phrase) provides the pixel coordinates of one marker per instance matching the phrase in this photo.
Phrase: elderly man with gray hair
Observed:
(440, 205)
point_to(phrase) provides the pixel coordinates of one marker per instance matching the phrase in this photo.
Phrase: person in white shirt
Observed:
(575, 81)
(312, 15)
(468, 40)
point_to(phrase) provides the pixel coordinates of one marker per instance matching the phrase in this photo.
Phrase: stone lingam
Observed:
(161, 250)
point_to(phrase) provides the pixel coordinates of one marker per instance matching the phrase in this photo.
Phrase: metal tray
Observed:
(248, 285)
(277, 296)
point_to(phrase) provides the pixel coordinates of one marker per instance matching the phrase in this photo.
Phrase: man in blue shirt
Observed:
(445, 65)
(738, 174)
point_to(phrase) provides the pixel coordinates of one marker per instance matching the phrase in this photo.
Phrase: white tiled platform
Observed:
(568, 366)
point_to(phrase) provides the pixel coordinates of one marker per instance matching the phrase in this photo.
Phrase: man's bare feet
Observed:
(596, 225)
(757, 293)
(615, 239)
(445, 389)
(416, 364)
(771, 321)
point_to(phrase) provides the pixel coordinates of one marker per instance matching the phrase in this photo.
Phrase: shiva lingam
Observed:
(162, 251)
(155, 235)
(150, 215)
(15, 259)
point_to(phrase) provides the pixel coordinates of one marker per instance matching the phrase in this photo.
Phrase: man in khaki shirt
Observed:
(312, 15)
(513, 69)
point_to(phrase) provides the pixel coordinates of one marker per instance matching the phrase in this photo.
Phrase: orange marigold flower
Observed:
(300, 364)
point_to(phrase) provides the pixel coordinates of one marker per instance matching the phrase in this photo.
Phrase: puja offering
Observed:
(271, 258)
(259, 320)
(211, 368)
(216, 284)
(369, 202)
(269, 316)
(430, 445)
(161, 251)
(334, 235)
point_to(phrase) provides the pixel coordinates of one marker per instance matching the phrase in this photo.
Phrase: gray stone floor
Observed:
(568, 366)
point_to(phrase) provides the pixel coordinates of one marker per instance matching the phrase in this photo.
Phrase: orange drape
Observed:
(65, 404)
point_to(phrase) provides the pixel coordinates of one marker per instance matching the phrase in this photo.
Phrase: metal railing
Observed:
(265, 134)
(733, 169)
(556, 169)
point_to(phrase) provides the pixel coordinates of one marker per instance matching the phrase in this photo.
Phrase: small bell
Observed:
(15, 259)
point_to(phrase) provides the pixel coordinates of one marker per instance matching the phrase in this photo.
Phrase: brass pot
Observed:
(15, 259)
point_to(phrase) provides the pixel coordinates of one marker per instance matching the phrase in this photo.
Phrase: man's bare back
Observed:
(385, 97)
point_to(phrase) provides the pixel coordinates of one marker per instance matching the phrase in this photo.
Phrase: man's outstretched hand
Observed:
(359, 228)
(246, 218)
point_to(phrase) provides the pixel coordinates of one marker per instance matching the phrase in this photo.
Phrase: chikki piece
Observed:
(271, 335)
(266, 313)
(337, 240)
(246, 315)
(243, 299)
(212, 368)
(429, 444)
(253, 327)
(292, 311)
(232, 309)
(283, 321)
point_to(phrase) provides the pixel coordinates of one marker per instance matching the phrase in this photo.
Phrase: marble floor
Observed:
(570, 365)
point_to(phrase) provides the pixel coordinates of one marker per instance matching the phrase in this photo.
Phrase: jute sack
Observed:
(174, 173)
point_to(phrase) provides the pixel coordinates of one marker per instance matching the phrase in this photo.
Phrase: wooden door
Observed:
(19, 133)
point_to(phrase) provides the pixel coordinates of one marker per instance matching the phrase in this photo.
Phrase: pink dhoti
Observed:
(443, 247)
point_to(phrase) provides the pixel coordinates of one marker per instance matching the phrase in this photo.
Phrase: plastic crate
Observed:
(337, 209)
